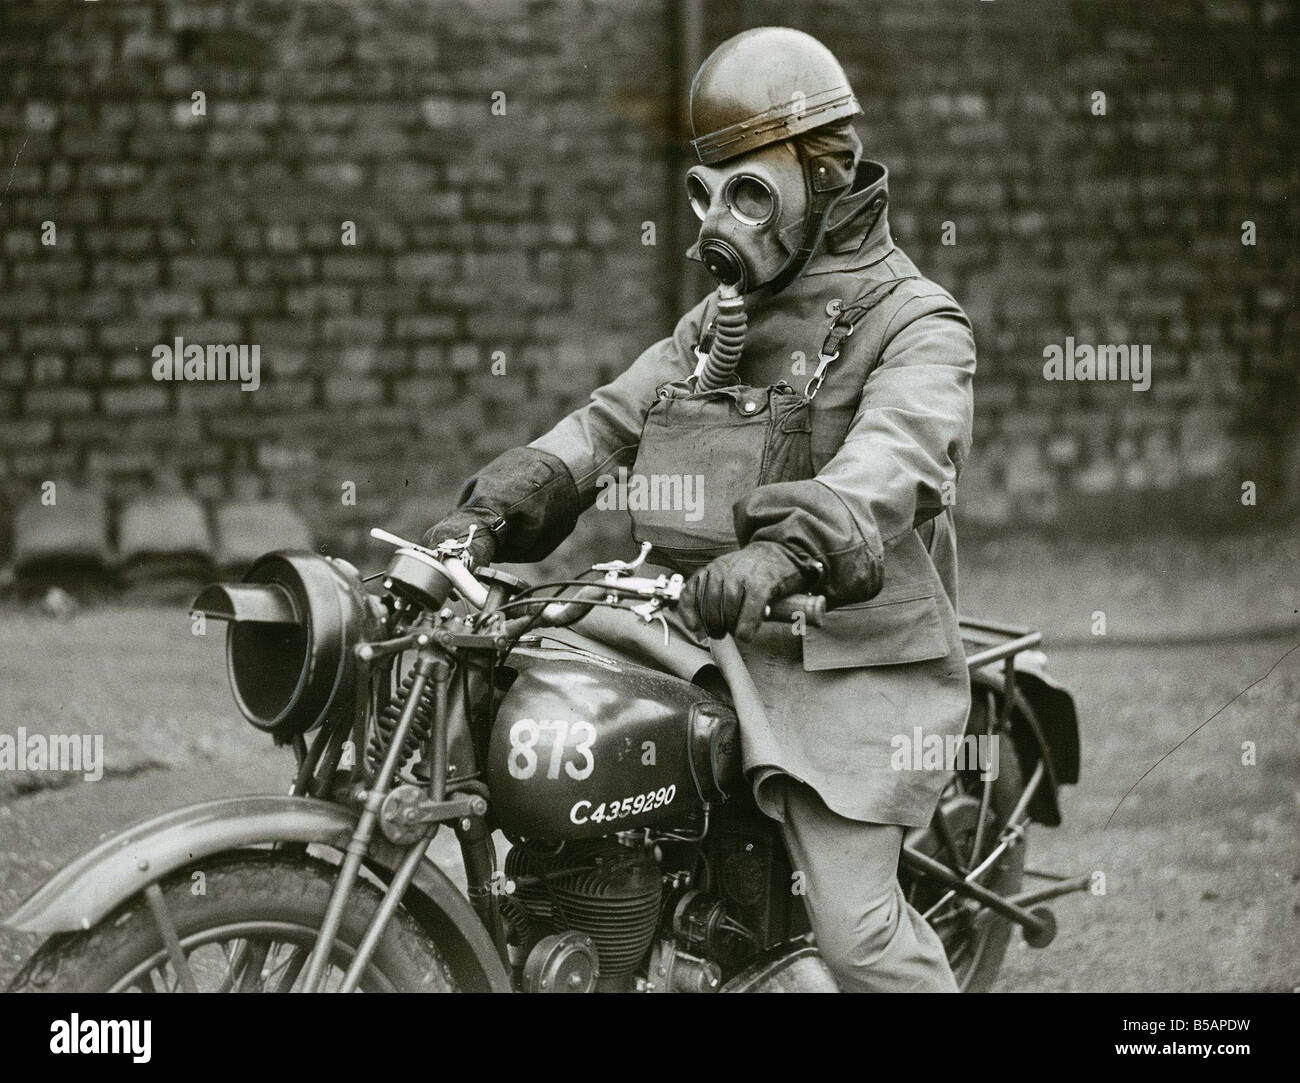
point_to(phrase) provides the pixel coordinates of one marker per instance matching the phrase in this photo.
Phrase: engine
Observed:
(609, 894)
(600, 915)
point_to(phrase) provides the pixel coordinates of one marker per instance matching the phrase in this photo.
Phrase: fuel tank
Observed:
(585, 746)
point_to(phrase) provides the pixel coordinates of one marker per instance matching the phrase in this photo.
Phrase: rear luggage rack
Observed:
(993, 641)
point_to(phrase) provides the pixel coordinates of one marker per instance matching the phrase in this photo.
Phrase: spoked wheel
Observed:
(252, 957)
(974, 937)
(246, 923)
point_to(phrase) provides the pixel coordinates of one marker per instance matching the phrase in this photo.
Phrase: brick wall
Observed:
(518, 235)
(1117, 228)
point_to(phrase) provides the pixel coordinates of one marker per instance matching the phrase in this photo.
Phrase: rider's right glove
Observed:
(522, 504)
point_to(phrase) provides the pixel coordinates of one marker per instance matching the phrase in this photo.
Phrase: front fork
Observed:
(409, 816)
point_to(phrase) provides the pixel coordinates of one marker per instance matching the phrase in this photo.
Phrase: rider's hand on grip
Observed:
(732, 594)
(456, 527)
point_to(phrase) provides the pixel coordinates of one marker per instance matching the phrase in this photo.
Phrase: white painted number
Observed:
(583, 748)
(583, 813)
(524, 735)
(523, 760)
(560, 734)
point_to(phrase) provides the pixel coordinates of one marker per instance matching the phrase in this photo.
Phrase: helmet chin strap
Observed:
(827, 178)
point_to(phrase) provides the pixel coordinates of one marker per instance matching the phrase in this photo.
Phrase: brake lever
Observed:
(453, 567)
(452, 548)
(445, 549)
(616, 566)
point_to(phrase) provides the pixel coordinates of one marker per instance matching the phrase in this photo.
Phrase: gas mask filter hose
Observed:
(729, 326)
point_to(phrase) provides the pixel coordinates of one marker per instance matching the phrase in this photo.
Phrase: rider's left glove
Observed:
(730, 594)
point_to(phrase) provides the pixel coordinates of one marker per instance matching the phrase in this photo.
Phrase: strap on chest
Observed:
(843, 324)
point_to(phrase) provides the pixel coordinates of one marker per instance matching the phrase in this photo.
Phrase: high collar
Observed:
(858, 232)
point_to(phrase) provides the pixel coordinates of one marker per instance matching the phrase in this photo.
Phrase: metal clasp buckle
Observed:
(815, 384)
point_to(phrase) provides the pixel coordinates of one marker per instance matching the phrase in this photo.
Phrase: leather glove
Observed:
(524, 503)
(456, 527)
(730, 594)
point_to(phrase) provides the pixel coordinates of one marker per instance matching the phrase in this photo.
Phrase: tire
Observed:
(252, 898)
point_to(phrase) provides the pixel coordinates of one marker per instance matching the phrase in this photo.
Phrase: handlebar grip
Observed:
(466, 585)
(812, 606)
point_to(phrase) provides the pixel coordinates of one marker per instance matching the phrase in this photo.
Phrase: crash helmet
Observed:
(762, 86)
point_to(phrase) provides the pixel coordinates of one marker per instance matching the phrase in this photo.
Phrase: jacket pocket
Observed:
(877, 634)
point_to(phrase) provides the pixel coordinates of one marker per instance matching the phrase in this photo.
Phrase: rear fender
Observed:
(93, 885)
(1048, 731)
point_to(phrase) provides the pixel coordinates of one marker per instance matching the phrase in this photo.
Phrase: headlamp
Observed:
(294, 623)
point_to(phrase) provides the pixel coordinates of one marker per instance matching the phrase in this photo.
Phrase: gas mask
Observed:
(747, 208)
(763, 214)
(770, 114)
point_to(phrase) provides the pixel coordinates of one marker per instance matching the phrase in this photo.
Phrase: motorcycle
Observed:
(564, 717)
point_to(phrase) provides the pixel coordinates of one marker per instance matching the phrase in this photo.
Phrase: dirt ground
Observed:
(1201, 861)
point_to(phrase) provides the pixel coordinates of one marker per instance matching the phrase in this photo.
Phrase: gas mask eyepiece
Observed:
(749, 199)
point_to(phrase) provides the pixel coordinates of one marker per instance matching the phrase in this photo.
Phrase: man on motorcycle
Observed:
(844, 489)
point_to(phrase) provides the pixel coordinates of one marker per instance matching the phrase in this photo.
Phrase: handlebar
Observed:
(466, 585)
(657, 591)
(812, 606)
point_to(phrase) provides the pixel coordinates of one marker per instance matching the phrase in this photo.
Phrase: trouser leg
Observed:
(870, 936)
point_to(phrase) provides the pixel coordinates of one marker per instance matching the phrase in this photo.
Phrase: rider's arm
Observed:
(899, 461)
(603, 435)
(529, 498)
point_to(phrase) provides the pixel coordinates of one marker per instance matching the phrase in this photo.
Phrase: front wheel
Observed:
(246, 923)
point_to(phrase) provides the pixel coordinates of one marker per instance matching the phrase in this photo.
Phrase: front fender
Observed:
(120, 866)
